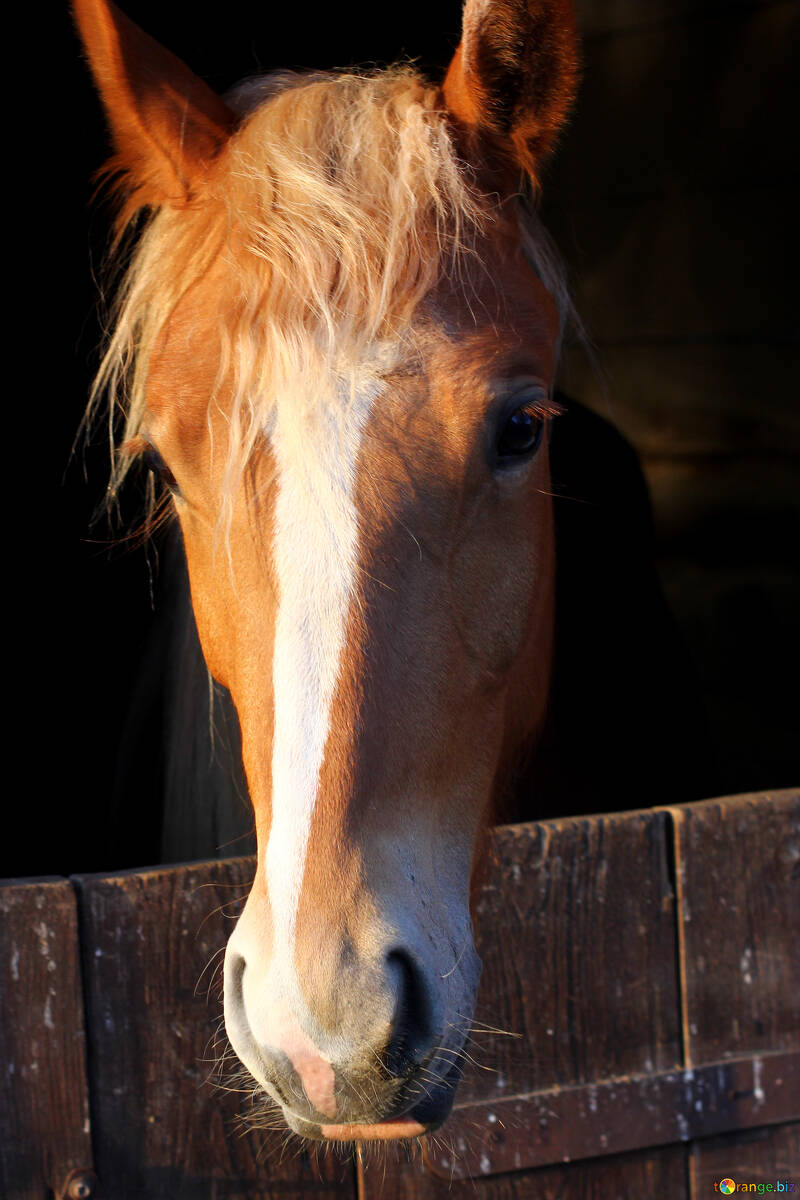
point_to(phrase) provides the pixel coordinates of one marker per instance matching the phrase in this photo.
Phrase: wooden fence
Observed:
(648, 962)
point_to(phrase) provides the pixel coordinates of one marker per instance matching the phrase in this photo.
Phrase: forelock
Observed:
(338, 205)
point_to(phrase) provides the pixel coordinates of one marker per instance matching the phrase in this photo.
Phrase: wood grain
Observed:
(575, 927)
(760, 1156)
(659, 1172)
(580, 1006)
(617, 1115)
(164, 1128)
(739, 891)
(44, 1101)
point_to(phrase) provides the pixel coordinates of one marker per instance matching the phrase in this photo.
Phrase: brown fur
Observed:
(149, 94)
(444, 675)
(513, 78)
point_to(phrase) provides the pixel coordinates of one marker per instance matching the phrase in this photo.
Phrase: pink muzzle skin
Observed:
(384, 1131)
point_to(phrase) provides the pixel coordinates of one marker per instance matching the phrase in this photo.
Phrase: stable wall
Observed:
(674, 198)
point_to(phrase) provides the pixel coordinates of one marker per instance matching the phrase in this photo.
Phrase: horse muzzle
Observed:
(377, 1056)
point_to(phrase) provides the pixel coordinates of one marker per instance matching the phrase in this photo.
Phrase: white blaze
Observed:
(315, 548)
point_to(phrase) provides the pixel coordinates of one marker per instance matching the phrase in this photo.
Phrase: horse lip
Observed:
(391, 1129)
(425, 1116)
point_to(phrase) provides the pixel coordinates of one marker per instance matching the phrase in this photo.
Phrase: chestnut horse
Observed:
(336, 346)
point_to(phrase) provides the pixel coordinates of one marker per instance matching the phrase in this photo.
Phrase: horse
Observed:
(335, 351)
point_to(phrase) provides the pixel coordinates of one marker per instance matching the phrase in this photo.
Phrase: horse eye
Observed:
(155, 463)
(521, 433)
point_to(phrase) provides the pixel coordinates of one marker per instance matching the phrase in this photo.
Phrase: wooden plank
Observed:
(617, 1115)
(493, 1132)
(153, 943)
(575, 927)
(763, 1156)
(43, 1085)
(739, 892)
(660, 1172)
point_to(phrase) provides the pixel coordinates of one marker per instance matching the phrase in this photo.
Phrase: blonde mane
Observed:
(338, 204)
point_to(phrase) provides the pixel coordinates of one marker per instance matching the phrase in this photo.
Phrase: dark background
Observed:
(674, 200)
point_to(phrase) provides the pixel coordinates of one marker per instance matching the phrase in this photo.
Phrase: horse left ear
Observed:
(167, 124)
(513, 77)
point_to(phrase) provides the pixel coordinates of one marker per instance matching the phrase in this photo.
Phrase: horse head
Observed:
(337, 342)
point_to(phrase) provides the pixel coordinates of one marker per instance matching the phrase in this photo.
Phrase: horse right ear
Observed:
(166, 123)
(513, 78)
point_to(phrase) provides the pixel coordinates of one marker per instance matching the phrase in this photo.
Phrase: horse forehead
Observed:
(499, 304)
(492, 302)
(405, 416)
(399, 433)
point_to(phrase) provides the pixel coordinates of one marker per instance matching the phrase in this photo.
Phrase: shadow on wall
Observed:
(673, 202)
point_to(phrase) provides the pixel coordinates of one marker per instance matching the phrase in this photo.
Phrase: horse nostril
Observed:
(410, 1032)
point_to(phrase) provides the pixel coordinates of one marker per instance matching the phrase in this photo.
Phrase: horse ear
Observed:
(513, 76)
(167, 124)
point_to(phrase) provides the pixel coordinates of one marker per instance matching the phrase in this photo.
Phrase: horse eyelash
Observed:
(548, 409)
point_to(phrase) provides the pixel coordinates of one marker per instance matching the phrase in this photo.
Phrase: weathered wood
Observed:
(660, 1172)
(617, 1115)
(722, 848)
(44, 1104)
(153, 944)
(576, 923)
(762, 1156)
(575, 927)
(560, 969)
(739, 891)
